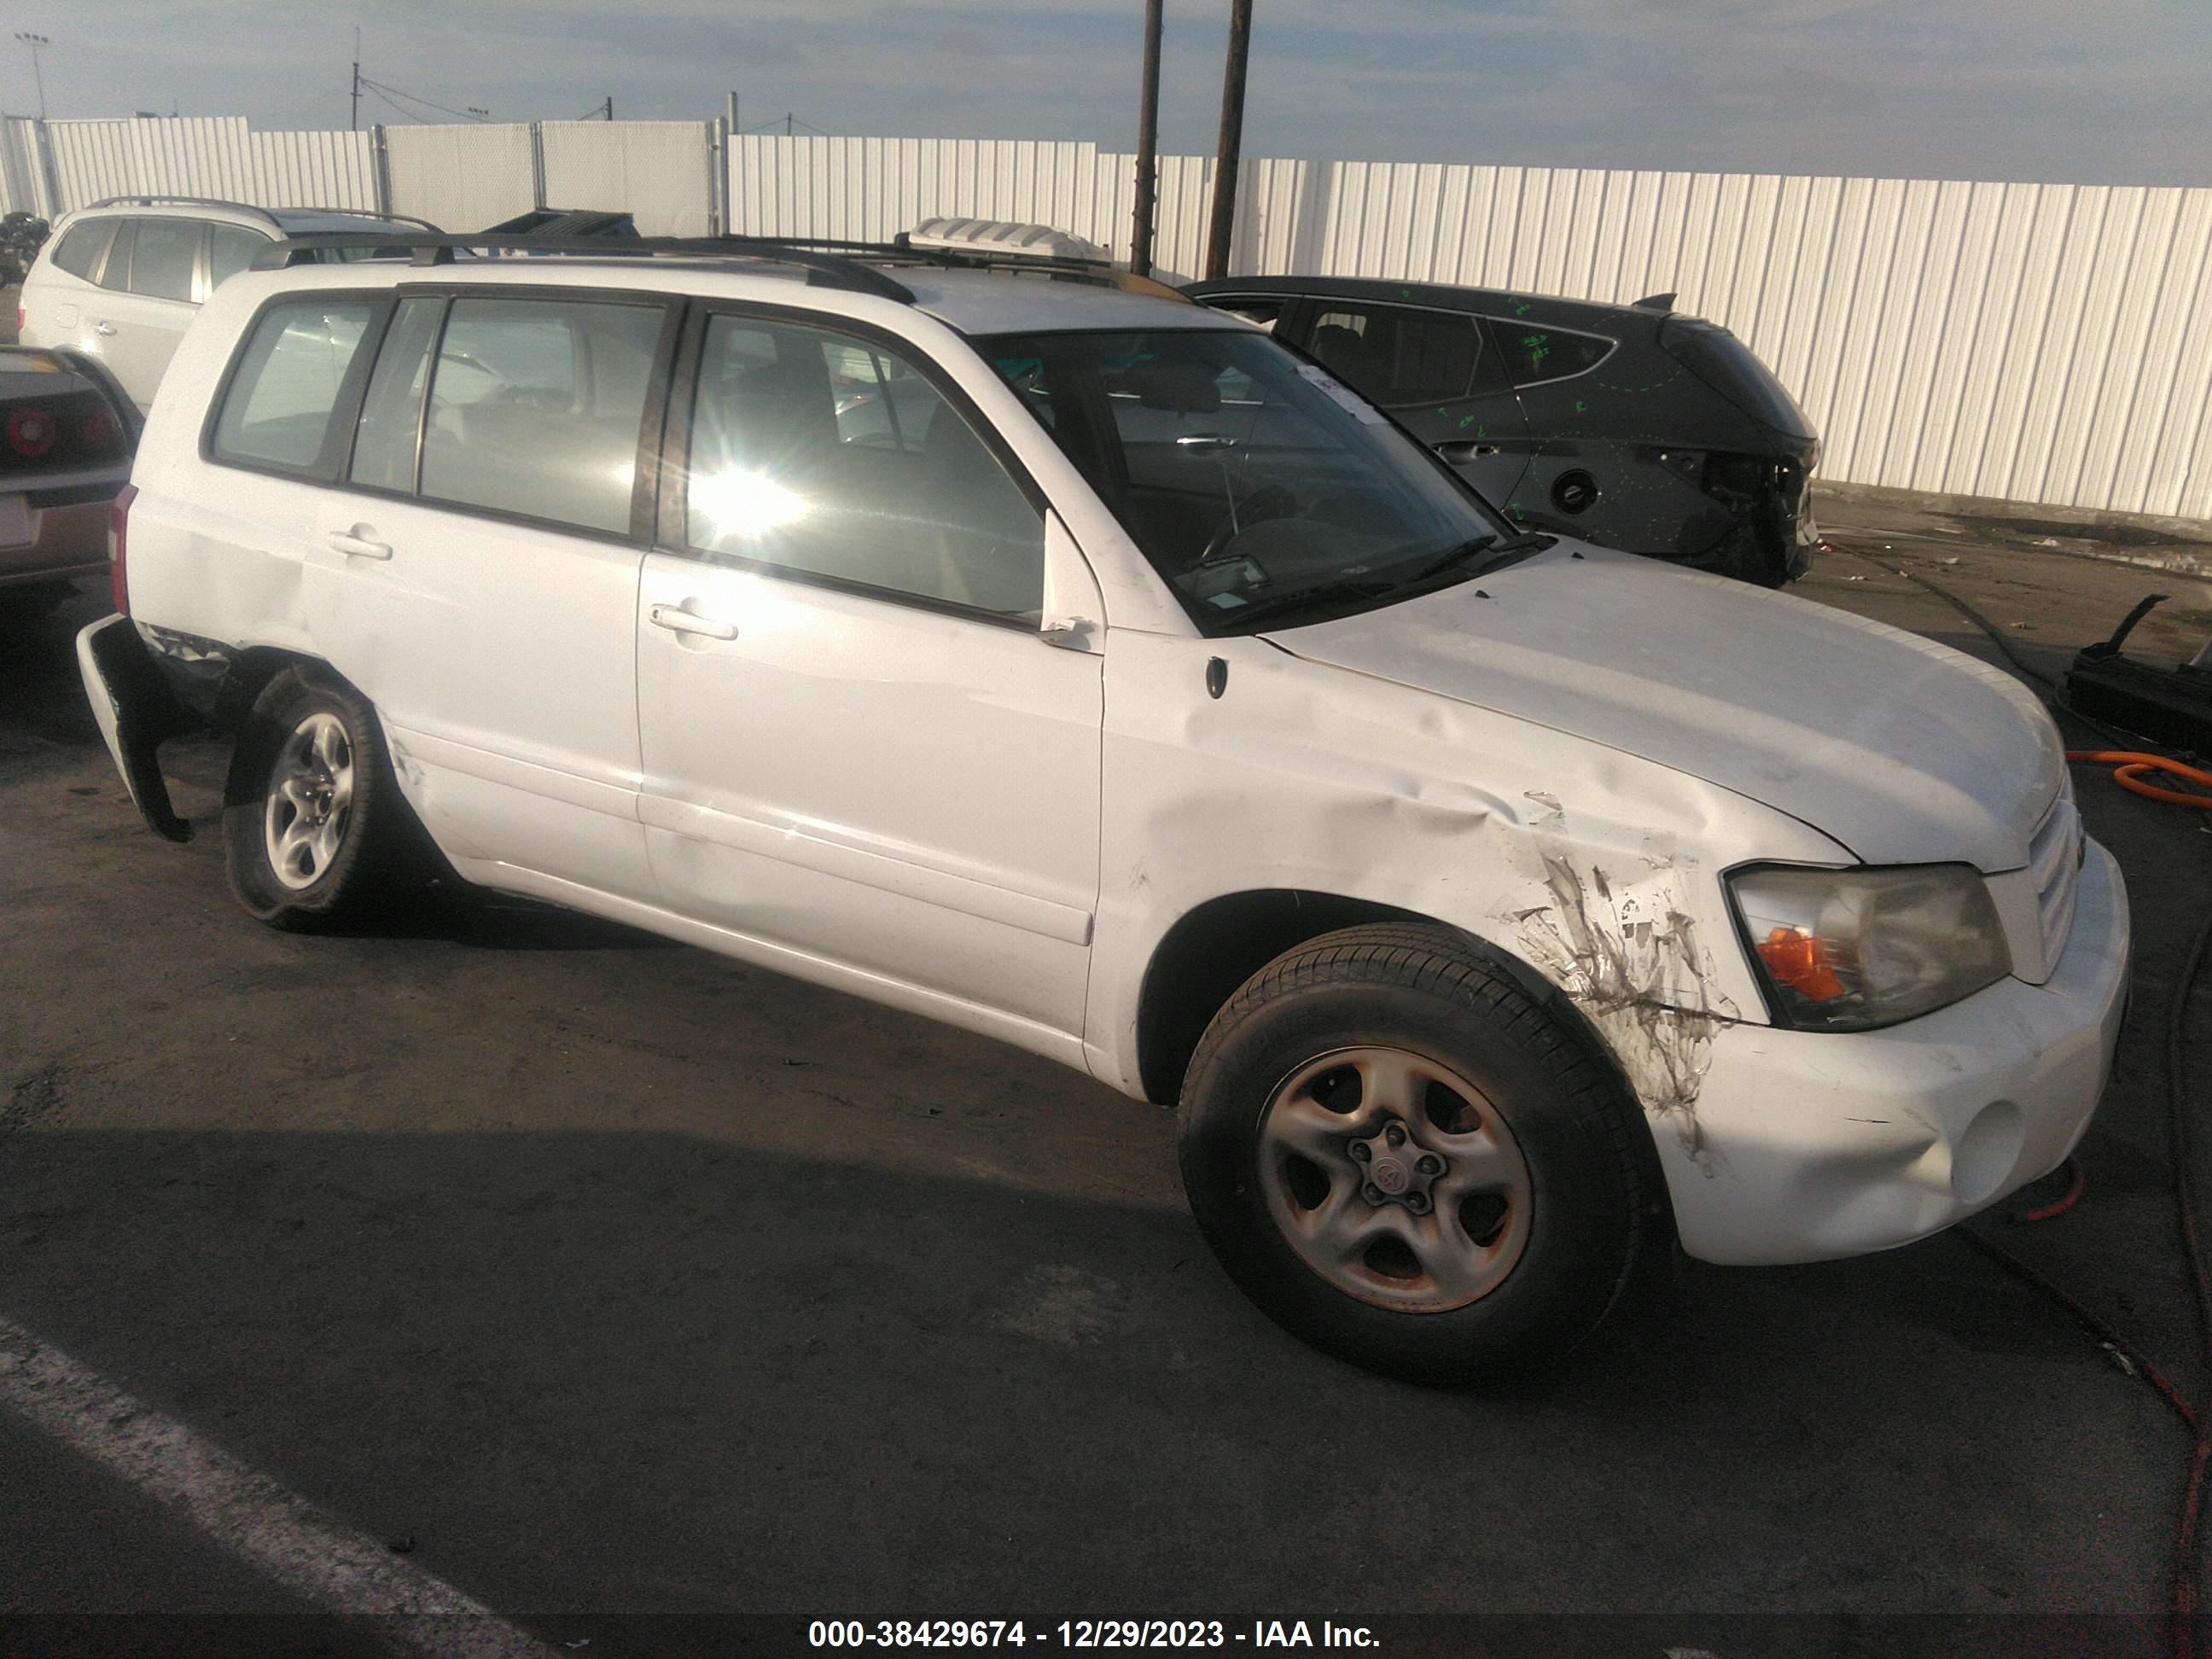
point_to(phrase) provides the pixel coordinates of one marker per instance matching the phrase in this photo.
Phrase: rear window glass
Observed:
(384, 450)
(1547, 354)
(161, 261)
(276, 411)
(118, 273)
(81, 248)
(231, 249)
(1398, 356)
(536, 407)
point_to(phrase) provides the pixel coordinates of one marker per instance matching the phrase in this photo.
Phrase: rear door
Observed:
(476, 573)
(1438, 372)
(149, 297)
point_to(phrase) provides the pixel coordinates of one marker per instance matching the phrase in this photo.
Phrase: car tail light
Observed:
(30, 429)
(22, 317)
(61, 432)
(119, 533)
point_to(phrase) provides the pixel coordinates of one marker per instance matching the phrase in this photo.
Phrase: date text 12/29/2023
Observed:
(1087, 1633)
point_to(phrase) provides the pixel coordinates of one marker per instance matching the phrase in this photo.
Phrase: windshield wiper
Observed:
(1495, 555)
(1322, 594)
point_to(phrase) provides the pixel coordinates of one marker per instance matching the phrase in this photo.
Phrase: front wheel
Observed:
(1410, 1162)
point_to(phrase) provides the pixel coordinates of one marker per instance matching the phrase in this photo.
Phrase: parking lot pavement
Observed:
(622, 1278)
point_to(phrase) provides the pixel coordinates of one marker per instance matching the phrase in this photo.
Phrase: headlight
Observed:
(1849, 950)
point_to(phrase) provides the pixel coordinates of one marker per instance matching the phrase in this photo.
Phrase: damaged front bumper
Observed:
(136, 711)
(1814, 1145)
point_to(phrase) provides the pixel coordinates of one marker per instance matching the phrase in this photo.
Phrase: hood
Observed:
(1904, 750)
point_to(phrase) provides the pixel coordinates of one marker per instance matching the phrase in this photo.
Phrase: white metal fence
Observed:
(2045, 344)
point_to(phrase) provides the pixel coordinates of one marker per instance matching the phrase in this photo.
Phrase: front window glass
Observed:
(823, 453)
(1258, 485)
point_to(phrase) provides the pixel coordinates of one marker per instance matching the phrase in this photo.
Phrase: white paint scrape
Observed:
(317, 1557)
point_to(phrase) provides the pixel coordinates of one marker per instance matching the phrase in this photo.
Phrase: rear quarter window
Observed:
(292, 378)
(81, 248)
(1534, 354)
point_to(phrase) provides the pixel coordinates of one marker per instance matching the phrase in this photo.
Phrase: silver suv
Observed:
(121, 280)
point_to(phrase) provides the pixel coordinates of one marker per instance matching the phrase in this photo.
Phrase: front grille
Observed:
(2054, 864)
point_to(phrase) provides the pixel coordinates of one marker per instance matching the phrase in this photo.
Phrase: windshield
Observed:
(1254, 482)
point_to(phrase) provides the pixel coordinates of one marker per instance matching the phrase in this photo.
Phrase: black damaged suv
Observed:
(1636, 427)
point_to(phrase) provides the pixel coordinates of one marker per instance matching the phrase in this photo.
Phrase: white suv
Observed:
(1085, 668)
(121, 280)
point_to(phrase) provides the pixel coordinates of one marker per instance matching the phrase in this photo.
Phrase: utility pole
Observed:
(357, 78)
(1222, 224)
(1148, 137)
(610, 106)
(34, 42)
(787, 123)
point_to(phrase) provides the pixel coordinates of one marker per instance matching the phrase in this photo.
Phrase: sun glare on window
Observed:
(741, 502)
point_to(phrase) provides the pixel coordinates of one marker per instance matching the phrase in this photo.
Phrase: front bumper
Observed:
(1815, 1144)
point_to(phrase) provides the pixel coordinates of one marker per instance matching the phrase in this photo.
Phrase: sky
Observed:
(2104, 92)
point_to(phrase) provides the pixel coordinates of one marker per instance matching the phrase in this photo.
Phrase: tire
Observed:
(317, 835)
(1522, 1197)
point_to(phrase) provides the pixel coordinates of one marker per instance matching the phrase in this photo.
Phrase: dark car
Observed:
(67, 434)
(1635, 427)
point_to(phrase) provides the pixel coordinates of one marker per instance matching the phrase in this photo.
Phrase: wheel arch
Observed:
(1214, 947)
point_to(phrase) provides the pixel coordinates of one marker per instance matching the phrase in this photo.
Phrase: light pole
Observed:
(35, 41)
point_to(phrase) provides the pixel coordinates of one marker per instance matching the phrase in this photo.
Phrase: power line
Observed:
(412, 98)
(378, 94)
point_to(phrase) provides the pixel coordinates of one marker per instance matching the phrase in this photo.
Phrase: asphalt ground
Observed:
(629, 1289)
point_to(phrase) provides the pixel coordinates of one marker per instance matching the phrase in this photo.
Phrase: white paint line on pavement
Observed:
(316, 1557)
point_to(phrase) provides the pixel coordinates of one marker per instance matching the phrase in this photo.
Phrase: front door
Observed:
(858, 752)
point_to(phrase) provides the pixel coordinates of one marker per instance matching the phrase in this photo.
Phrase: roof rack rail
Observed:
(362, 213)
(156, 198)
(824, 268)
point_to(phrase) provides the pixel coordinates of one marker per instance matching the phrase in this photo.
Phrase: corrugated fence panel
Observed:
(2039, 343)
(464, 177)
(2043, 343)
(656, 170)
(315, 169)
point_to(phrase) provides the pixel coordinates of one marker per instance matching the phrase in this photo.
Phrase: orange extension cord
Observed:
(2131, 769)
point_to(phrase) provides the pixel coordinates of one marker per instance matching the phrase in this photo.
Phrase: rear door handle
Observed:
(103, 328)
(676, 620)
(1464, 452)
(359, 547)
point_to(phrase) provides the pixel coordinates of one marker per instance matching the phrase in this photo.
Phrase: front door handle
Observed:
(359, 547)
(676, 620)
(103, 328)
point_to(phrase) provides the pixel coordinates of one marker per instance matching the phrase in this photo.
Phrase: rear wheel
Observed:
(315, 829)
(1410, 1162)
